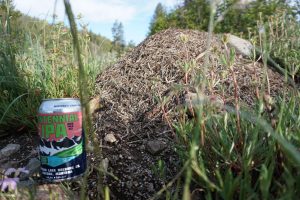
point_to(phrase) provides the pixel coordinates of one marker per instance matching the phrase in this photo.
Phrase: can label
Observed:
(62, 150)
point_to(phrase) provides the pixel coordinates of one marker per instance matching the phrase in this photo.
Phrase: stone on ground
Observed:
(110, 138)
(9, 150)
(155, 147)
(242, 46)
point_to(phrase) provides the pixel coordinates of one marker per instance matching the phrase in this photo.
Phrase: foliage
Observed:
(258, 167)
(276, 19)
(99, 42)
(247, 153)
(36, 62)
(283, 34)
(232, 16)
(237, 17)
(118, 37)
(159, 20)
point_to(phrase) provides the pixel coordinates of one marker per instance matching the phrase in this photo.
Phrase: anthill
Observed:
(152, 80)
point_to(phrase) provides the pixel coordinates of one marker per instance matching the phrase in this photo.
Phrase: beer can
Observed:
(62, 144)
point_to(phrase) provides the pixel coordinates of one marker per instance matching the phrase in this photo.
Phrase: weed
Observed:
(247, 153)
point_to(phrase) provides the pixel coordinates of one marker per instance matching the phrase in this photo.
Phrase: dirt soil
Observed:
(132, 92)
(28, 143)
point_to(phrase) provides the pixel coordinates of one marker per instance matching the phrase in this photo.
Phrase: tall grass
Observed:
(284, 42)
(37, 62)
(241, 153)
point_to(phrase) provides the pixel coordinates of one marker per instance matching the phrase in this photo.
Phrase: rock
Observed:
(110, 138)
(155, 147)
(33, 167)
(94, 104)
(242, 46)
(9, 150)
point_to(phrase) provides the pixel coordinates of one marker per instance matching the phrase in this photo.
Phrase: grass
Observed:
(284, 42)
(39, 63)
(233, 154)
(241, 153)
(256, 168)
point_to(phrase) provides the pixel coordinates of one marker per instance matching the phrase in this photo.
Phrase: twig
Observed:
(136, 141)
(237, 107)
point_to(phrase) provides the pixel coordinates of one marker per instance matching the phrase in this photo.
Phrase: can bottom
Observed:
(74, 178)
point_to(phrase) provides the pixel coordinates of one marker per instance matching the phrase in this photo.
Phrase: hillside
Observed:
(37, 62)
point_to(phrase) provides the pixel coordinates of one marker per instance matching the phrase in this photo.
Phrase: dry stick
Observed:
(82, 93)
(167, 118)
(186, 82)
(256, 78)
(190, 105)
(237, 107)
(202, 133)
(236, 97)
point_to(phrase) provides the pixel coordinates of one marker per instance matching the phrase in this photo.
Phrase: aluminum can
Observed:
(62, 146)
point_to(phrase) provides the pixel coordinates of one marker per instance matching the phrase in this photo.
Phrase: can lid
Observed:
(60, 105)
(54, 99)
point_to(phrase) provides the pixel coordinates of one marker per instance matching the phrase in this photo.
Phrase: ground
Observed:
(140, 99)
(28, 150)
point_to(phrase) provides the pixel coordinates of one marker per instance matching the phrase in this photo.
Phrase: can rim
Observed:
(60, 99)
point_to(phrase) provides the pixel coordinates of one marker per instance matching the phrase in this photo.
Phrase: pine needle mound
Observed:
(152, 78)
(156, 66)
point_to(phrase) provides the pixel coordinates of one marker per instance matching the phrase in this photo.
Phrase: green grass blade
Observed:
(10, 105)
